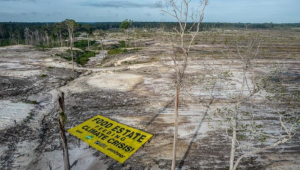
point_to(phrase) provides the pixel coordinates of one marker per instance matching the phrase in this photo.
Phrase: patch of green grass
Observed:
(44, 75)
(121, 51)
(117, 51)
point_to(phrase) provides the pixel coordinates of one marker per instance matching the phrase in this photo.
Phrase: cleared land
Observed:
(136, 88)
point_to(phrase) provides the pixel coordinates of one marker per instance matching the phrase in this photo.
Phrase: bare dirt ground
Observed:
(138, 93)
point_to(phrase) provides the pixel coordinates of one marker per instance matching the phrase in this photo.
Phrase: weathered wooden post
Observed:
(62, 120)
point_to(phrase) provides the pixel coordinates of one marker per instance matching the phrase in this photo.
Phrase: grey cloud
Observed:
(120, 4)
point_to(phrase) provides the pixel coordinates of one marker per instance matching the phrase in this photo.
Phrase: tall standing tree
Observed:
(58, 28)
(36, 37)
(18, 35)
(46, 32)
(125, 25)
(27, 35)
(180, 11)
(89, 32)
(71, 26)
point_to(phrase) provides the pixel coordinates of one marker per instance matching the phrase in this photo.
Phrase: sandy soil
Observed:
(13, 113)
(139, 95)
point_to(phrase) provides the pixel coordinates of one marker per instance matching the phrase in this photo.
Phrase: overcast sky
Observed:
(253, 11)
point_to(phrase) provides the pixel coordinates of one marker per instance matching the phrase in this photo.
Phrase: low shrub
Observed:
(122, 44)
(117, 51)
(82, 44)
(83, 58)
(80, 57)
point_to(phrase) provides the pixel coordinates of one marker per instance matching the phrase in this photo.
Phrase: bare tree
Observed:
(244, 127)
(183, 14)
(36, 37)
(135, 38)
(100, 34)
(27, 35)
(45, 34)
(71, 25)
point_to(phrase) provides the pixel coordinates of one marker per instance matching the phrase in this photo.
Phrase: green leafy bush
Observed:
(82, 44)
(83, 57)
(80, 57)
(122, 44)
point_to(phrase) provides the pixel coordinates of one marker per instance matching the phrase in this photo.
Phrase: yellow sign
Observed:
(112, 138)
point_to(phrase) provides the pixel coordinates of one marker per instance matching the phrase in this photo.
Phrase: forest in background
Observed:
(50, 34)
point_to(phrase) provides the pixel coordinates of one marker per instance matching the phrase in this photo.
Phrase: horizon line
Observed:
(152, 21)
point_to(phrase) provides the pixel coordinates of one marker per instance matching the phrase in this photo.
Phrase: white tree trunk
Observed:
(233, 142)
(71, 44)
(175, 126)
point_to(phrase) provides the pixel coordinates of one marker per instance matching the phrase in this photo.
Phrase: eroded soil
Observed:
(137, 90)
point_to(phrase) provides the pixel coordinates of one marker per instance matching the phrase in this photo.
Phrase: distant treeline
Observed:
(204, 25)
(53, 33)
